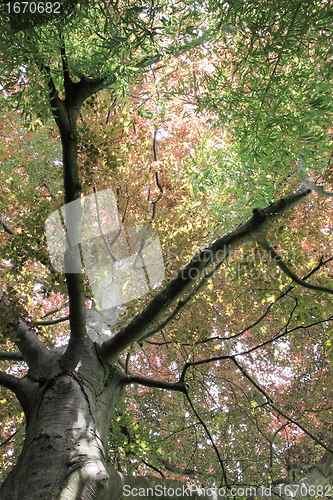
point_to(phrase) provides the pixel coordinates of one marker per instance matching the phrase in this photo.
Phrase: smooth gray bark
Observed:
(67, 421)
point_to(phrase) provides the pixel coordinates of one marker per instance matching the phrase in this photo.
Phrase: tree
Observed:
(72, 396)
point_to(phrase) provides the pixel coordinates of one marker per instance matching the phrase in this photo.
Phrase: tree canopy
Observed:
(211, 123)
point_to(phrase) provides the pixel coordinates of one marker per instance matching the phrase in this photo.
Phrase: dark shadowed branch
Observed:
(57, 309)
(34, 352)
(29, 344)
(196, 268)
(182, 303)
(270, 403)
(8, 440)
(52, 321)
(178, 470)
(283, 266)
(159, 384)
(10, 382)
(11, 356)
(210, 437)
(151, 466)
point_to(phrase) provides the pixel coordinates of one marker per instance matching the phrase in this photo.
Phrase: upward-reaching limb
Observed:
(197, 269)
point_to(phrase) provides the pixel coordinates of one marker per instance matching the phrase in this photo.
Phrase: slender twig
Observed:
(252, 349)
(154, 144)
(158, 184)
(283, 266)
(224, 474)
(270, 403)
(52, 321)
(281, 296)
(57, 309)
(6, 227)
(153, 467)
(6, 441)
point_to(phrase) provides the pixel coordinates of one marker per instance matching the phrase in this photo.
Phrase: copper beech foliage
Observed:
(174, 144)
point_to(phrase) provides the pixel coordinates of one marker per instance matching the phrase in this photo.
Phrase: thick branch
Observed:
(29, 344)
(86, 87)
(65, 113)
(170, 386)
(195, 269)
(11, 356)
(182, 303)
(58, 107)
(40, 360)
(10, 382)
(319, 189)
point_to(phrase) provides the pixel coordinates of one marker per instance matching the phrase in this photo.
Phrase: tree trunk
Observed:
(68, 416)
(67, 420)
